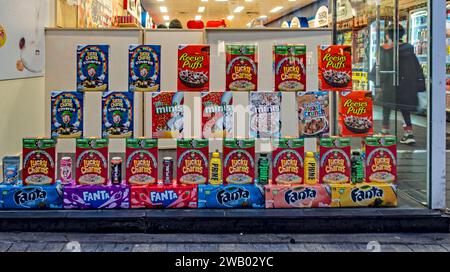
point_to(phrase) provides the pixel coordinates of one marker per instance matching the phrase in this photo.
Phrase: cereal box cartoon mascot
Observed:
(66, 125)
(117, 122)
(144, 69)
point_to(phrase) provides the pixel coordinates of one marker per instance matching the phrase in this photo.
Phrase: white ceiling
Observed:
(185, 10)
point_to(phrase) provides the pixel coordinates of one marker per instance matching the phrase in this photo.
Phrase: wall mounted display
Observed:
(67, 114)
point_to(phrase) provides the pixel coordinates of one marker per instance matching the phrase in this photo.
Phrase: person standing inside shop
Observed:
(403, 97)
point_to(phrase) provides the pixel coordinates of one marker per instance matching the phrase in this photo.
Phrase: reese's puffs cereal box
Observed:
(141, 161)
(239, 161)
(381, 158)
(355, 113)
(38, 161)
(335, 67)
(193, 67)
(192, 161)
(334, 166)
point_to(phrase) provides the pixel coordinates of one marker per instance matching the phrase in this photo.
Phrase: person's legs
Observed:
(386, 120)
(408, 137)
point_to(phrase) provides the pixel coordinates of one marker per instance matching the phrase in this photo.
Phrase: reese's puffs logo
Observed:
(355, 107)
(334, 61)
(193, 62)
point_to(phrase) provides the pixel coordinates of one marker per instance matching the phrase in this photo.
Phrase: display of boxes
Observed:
(363, 195)
(167, 196)
(298, 196)
(230, 196)
(31, 196)
(96, 197)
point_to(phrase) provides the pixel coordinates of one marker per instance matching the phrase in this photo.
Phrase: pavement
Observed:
(74, 242)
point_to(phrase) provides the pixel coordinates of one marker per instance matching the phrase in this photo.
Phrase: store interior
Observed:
(360, 24)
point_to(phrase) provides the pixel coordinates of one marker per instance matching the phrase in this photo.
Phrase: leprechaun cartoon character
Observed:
(66, 126)
(117, 122)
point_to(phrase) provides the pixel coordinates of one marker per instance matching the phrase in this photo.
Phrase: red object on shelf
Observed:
(193, 24)
(164, 196)
(218, 23)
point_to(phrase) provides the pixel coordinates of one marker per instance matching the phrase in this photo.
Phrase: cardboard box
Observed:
(363, 195)
(164, 196)
(298, 196)
(31, 196)
(230, 196)
(96, 197)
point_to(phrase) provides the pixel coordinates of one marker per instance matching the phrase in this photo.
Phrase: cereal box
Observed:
(381, 158)
(141, 161)
(167, 114)
(91, 161)
(290, 68)
(92, 68)
(241, 68)
(287, 161)
(96, 197)
(117, 114)
(265, 115)
(217, 114)
(239, 161)
(363, 195)
(31, 196)
(67, 114)
(38, 161)
(192, 161)
(313, 114)
(355, 113)
(230, 196)
(168, 197)
(193, 67)
(298, 196)
(144, 71)
(335, 67)
(334, 166)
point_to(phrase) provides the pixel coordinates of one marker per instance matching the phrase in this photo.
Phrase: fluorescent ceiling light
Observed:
(238, 9)
(262, 16)
(292, 0)
(198, 17)
(204, 0)
(166, 17)
(276, 9)
(230, 17)
(248, 0)
(163, 9)
(221, 0)
(201, 9)
(160, 0)
(167, 24)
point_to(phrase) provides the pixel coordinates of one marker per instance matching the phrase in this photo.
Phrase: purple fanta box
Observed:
(96, 197)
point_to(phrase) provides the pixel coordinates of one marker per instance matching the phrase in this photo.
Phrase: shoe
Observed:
(408, 139)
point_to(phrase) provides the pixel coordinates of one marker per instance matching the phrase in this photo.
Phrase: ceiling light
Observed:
(276, 9)
(163, 9)
(221, 0)
(160, 0)
(198, 17)
(201, 9)
(230, 17)
(292, 0)
(167, 24)
(238, 9)
(166, 17)
(262, 16)
(248, 0)
(204, 0)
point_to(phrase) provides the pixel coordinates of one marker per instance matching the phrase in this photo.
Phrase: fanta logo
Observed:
(294, 196)
(224, 197)
(359, 195)
(23, 196)
(98, 195)
(163, 196)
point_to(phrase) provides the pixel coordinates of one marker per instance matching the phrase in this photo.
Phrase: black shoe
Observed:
(408, 139)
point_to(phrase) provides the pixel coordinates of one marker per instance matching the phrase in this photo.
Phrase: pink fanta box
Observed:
(298, 196)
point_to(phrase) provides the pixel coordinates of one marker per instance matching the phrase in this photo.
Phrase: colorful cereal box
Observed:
(313, 114)
(335, 67)
(230, 196)
(117, 114)
(67, 114)
(265, 115)
(38, 161)
(290, 68)
(92, 68)
(96, 197)
(363, 195)
(169, 197)
(192, 161)
(217, 114)
(239, 161)
(144, 71)
(167, 114)
(31, 196)
(355, 113)
(381, 159)
(287, 161)
(91, 161)
(193, 67)
(334, 166)
(241, 68)
(141, 161)
(298, 196)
